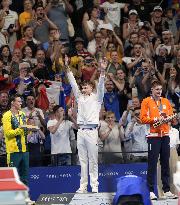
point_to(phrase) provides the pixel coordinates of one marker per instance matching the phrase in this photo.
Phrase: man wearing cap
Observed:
(79, 50)
(157, 21)
(132, 25)
(141, 8)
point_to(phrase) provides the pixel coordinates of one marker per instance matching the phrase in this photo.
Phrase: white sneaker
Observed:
(95, 189)
(29, 201)
(169, 195)
(82, 190)
(153, 196)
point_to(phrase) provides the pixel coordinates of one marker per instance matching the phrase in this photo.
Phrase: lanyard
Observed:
(160, 107)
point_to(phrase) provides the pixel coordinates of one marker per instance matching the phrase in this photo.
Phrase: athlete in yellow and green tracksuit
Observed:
(16, 145)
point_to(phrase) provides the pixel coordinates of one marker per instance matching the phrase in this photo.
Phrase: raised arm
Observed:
(100, 88)
(71, 79)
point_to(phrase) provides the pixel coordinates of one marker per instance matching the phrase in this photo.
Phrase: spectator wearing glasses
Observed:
(24, 83)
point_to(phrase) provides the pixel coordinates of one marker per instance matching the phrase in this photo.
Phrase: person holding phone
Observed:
(41, 24)
(9, 22)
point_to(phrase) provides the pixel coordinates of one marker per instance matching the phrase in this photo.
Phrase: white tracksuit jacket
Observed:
(87, 140)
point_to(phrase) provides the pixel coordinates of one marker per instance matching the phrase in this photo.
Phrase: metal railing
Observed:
(47, 159)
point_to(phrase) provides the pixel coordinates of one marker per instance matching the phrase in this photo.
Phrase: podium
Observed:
(12, 190)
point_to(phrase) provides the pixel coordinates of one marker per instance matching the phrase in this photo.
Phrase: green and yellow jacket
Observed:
(15, 137)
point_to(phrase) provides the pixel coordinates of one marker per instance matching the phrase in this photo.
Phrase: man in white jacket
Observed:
(89, 105)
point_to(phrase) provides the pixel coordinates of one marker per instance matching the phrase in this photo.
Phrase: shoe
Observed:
(169, 195)
(29, 201)
(95, 189)
(153, 196)
(82, 190)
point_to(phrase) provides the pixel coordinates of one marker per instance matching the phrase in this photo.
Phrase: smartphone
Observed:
(11, 26)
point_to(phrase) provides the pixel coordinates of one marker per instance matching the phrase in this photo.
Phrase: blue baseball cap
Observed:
(132, 185)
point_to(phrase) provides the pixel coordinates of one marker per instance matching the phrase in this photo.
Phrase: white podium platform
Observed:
(12, 190)
(165, 202)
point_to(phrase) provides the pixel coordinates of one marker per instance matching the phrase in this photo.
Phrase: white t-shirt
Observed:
(174, 137)
(60, 140)
(91, 25)
(113, 12)
(9, 19)
(53, 92)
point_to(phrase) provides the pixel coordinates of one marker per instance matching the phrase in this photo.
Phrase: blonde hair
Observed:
(108, 113)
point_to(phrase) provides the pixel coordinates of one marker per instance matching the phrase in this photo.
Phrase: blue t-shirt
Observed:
(111, 103)
(28, 81)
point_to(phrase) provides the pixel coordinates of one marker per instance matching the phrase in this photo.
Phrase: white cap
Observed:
(157, 8)
(133, 11)
(107, 26)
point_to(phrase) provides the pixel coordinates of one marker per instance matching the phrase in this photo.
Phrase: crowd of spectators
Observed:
(141, 42)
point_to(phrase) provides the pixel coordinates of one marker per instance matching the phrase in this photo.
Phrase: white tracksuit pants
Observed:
(87, 144)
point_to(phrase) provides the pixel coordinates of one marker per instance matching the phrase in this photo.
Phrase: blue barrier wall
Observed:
(65, 179)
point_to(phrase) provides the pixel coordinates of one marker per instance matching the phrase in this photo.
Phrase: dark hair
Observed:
(136, 33)
(38, 5)
(25, 28)
(23, 50)
(89, 11)
(167, 76)
(55, 108)
(1, 49)
(30, 95)
(13, 97)
(1, 59)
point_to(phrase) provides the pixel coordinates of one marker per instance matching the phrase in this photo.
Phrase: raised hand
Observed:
(70, 112)
(66, 61)
(103, 64)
